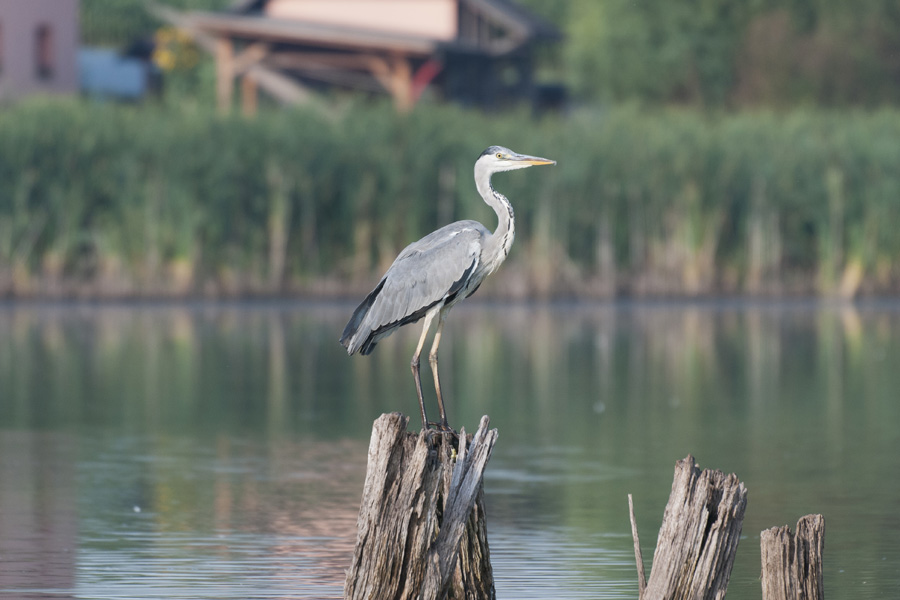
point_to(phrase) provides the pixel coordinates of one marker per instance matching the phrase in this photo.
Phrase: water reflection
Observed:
(38, 523)
(219, 517)
(220, 448)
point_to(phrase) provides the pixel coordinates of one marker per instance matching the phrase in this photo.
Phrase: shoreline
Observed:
(348, 302)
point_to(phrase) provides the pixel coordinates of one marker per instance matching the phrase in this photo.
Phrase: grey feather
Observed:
(430, 272)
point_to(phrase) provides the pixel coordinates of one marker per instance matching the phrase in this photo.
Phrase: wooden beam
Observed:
(344, 78)
(300, 32)
(319, 60)
(280, 86)
(394, 73)
(249, 56)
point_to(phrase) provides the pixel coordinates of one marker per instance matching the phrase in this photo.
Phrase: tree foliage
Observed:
(720, 53)
(118, 23)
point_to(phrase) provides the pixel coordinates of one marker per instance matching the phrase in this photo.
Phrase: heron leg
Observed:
(433, 359)
(414, 365)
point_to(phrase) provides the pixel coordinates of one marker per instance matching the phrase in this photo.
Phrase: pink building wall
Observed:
(20, 22)
(434, 19)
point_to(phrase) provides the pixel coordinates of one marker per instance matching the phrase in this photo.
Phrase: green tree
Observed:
(655, 51)
(117, 23)
(717, 53)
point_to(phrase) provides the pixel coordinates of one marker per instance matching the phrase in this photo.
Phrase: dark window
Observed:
(43, 46)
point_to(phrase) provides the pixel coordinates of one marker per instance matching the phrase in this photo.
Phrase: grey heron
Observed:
(431, 275)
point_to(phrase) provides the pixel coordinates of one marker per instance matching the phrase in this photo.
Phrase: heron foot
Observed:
(441, 426)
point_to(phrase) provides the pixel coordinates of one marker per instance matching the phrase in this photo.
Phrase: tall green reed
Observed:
(105, 200)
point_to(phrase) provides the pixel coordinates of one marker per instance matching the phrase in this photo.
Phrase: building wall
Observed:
(434, 19)
(20, 22)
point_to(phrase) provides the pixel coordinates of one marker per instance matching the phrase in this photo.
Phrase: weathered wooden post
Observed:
(421, 528)
(638, 556)
(792, 563)
(699, 535)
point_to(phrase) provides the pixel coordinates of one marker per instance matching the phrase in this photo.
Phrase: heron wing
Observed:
(426, 273)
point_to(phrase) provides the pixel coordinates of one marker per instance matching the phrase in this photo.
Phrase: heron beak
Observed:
(533, 160)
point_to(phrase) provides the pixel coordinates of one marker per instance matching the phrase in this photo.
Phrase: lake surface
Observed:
(217, 451)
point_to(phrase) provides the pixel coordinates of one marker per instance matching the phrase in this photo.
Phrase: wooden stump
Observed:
(421, 528)
(792, 563)
(699, 535)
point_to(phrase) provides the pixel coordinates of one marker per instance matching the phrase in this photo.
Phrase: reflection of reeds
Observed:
(589, 397)
(542, 373)
(280, 370)
(123, 201)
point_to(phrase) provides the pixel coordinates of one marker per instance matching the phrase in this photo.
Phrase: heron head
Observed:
(498, 158)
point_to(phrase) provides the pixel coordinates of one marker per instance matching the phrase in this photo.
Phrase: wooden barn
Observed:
(476, 52)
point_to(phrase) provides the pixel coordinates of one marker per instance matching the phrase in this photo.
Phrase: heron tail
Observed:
(349, 338)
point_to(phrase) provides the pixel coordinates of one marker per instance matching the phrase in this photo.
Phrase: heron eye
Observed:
(499, 155)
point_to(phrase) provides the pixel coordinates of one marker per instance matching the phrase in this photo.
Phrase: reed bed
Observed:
(100, 200)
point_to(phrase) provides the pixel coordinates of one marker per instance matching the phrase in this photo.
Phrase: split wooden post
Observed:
(699, 535)
(792, 563)
(421, 528)
(638, 555)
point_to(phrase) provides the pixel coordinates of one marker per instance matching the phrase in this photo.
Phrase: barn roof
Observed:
(245, 17)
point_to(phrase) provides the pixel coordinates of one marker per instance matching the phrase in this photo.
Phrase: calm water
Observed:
(217, 451)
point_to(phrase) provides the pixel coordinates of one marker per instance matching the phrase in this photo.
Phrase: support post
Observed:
(421, 530)
(792, 563)
(224, 74)
(248, 95)
(401, 83)
(699, 535)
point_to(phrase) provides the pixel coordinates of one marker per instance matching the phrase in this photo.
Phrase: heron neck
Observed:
(501, 240)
